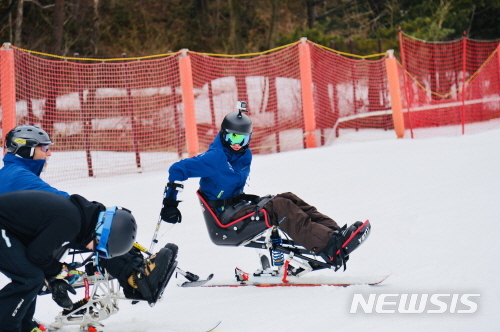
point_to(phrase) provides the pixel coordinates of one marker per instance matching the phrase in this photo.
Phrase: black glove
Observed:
(59, 289)
(169, 212)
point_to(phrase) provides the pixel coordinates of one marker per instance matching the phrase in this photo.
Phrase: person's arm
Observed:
(199, 166)
(203, 165)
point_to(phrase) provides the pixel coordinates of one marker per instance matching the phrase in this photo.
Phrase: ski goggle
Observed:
(45, 147)
(103, 229)
(233, 138)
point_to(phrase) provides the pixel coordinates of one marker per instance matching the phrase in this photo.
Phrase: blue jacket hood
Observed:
(35, 166)
(23, 174)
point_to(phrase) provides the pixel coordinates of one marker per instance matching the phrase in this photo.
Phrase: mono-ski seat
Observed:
(234, 233)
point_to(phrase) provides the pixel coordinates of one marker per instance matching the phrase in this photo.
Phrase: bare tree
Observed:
(273, 26)
(6, 15)
(19, 23)
(312, 13)
(235, 37)
(95, 29)
(57, 35)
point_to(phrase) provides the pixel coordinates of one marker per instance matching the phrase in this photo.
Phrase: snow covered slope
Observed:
(434, 206)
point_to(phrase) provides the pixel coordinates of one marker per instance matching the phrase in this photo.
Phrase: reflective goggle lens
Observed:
(45, 147)
(233, 138)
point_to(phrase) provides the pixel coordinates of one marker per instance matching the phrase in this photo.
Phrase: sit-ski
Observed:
(280, 257)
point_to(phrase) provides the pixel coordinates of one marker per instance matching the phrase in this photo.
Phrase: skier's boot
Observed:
(156, 273)
(174, 249)
(344, 241)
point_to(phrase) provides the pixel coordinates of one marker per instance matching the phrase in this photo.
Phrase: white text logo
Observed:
(415, 303)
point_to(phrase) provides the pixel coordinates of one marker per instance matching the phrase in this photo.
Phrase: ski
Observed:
(101, 328)
(77, 329)
(342, 281)
(196, 283)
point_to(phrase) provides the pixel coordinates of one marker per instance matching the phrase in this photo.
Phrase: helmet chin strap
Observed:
(96, 256)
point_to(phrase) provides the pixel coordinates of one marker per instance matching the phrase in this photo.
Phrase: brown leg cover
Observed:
(311, 211)
(297, 223)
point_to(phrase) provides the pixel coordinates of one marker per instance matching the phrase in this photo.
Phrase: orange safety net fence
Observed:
(121, 116)
(104, 118)
(350, 94)
(452, 85)
(271, 86)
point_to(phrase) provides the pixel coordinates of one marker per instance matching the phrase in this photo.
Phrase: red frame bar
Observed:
(266, 216)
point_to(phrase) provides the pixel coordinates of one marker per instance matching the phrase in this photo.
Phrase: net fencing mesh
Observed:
(121, 116)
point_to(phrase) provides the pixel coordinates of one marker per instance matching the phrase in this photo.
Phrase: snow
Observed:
(431, 203)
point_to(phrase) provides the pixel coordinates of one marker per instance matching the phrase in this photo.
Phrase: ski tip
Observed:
(216, 325)
(196, 283)
(380, 280)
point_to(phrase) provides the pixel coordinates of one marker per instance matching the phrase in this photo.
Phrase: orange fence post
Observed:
(186, 76)
(464, 68)
(307, 93)
(8, 89)
(391, 67)
(498, 60)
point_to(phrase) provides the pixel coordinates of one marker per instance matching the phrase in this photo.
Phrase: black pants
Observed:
(17, 298)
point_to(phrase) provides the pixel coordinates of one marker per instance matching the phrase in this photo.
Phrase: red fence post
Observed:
(307, 93)
(8, 89)
(186, 76)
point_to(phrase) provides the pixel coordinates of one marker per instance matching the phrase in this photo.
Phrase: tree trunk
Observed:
(19, 24)
(95, 30)
(273, 26)
(312, 14)
(235, 27)
(57, 35)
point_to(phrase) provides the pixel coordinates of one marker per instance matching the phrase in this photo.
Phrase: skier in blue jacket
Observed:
(27, 150)
(223, 171)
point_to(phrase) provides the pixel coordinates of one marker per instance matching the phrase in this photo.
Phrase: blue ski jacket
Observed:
(223, 174)
(23, 174)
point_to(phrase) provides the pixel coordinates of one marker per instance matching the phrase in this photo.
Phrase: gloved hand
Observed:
(169, 212)
(59, 289)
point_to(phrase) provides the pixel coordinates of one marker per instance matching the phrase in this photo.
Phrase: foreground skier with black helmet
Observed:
(224, 170)
(27, 148)
(35, 224)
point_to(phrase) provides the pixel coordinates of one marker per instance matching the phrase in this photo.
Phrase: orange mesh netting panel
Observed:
(120, 116)
(105, 118)
(450, 85)
(349, 94)
(269, 83)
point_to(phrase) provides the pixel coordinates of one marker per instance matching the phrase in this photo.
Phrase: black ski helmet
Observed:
(23, 139)
(237, 123)
(116, 230)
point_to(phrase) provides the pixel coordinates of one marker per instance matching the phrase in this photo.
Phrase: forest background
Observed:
(112, 28)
